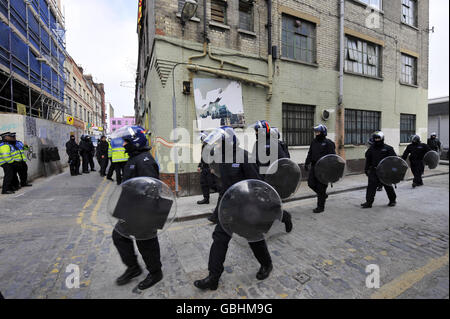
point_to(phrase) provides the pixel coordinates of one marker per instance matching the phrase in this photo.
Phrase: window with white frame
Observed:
(409, 69)
(362, 57)
(409, 12)
(374, 3)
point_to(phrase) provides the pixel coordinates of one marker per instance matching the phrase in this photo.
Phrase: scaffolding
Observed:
(32, 55)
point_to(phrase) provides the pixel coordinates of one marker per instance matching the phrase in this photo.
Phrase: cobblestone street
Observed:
(62, 221)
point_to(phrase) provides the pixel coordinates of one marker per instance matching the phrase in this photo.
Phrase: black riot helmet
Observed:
(415, 139)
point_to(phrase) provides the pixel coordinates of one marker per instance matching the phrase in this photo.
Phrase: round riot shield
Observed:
(329, 169)
(431, 159)
(142, 208)
(285, 176)
(392, 170)
(249, 208)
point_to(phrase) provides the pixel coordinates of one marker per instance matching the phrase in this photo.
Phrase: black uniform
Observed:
(320, 147)
(282, 152)
(377, 152)
(207, 179)
(73, 151)
(102, 156)
(91, 154)
(9, 172)
(434, 144)
(231, 174)
(85, 152)
(140, 163)
(416, 152)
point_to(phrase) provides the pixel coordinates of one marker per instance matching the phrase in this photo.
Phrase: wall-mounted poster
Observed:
(218, 102)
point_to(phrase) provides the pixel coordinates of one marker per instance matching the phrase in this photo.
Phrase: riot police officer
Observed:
(374, 155)
(140, 163)
(416, 151)
(91, 153)
(207, 179)
(434, 143)
(85, 150)
(267, 134)
(231, 172)
(102, 155)
(73, 151)
(320, 147)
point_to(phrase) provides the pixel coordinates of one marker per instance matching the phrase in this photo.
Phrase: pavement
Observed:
(61, 223)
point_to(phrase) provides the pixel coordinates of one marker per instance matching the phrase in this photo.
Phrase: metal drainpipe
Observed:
(340, 111)
(269, 49)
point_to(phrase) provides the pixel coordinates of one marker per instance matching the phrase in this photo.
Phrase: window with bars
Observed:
(409, 69)
(407, 127)
(359, 125)
(246, 15)
(409, 12)
(298, 121)
(362, 57)
(219, 11)
(298, 39)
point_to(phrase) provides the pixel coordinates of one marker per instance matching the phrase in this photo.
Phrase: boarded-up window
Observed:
(219, 11)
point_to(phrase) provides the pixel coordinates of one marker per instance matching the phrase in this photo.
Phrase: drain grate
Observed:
(302, 278)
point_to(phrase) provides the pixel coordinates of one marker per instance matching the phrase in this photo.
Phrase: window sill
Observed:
(410, 26)
(305, 147)
(219, 25)
(299, 62)
(365, 5)
(409, 84)
(193, 19)
(364, 76)
(246, 32)
(353, 145)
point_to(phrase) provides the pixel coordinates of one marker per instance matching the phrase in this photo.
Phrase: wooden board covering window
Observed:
(218, 9)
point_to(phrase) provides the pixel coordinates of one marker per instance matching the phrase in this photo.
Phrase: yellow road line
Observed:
(402, 283)
(97, 207)
(88, 203)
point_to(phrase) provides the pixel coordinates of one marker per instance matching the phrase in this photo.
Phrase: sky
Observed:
(439, 66)
(101, 37)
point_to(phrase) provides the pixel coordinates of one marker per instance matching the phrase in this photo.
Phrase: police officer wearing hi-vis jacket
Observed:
(7, 163)
(20, 161)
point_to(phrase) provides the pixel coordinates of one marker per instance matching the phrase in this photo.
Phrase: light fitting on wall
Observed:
(188, 11)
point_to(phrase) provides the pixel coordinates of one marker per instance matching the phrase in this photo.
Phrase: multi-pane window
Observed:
(409, 69)
(373, 3)
(74, 84)
(407, 127)
(298, 121)
(219, 11)
(246, 15)
(359, 125)
(362, 57)
(298, 39)
(409, 12)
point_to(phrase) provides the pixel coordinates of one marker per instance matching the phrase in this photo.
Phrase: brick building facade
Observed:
(385, 73)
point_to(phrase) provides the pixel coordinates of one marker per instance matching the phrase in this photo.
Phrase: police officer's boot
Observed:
(129, 274)
(211, 282)
(392, 203)
(264, 272)
(150, 280)
(213, 218)
(204, 201)
(366, 205)
(318, 210)
(287, 220)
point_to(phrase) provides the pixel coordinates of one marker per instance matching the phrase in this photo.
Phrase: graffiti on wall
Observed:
(30, 126)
